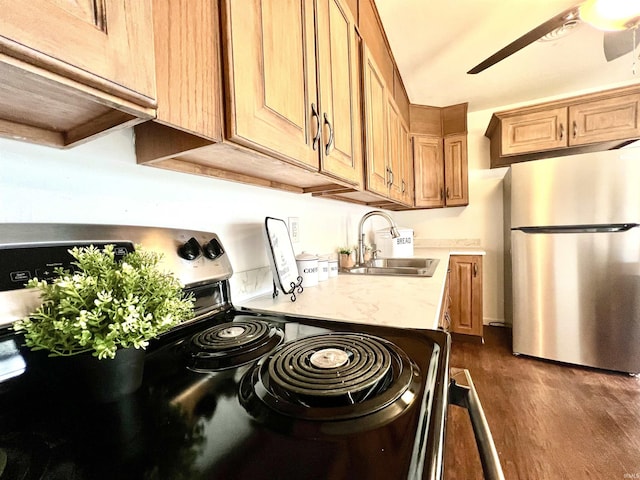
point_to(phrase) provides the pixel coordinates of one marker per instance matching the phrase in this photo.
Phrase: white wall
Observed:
(100, 182)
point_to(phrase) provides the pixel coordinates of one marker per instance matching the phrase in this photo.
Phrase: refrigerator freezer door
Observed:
(593, 188)
(576, 297)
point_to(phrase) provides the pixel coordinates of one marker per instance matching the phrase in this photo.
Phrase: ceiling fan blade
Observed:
(528, 38)
(617, 44)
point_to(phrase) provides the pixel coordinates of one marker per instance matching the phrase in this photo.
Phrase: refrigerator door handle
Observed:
(606, 228)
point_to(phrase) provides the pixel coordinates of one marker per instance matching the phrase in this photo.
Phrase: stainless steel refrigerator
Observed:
(572, 245)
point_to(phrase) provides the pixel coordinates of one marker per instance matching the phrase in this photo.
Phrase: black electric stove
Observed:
(231, 394)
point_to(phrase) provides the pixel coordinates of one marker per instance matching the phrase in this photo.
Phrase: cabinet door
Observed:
(188, 70)
(407, 165)
(271, 78)
(104, 44)
(337, 70)
(605, 120)
(375, 109)
(532, 132)
(394, 161)
(456, 177)
(428, 171)
(466, 294)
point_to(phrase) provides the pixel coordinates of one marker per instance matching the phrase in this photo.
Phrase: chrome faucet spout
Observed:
(393, 229)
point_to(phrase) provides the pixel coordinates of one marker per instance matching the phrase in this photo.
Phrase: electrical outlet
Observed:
(294, 229)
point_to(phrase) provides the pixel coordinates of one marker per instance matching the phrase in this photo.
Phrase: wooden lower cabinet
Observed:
(465, 290)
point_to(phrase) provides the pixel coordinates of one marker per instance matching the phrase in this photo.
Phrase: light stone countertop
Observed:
(405, 302)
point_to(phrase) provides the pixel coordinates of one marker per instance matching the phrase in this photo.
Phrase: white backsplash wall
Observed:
(100, 182)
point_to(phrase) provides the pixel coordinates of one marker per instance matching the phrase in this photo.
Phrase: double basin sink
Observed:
(407, 267)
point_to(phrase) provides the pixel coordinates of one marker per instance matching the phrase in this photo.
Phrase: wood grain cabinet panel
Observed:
(271, 77)
(456, 176)
(465, 289)
(376, 128)
(441, 171)
(73, 70)
(534, 131)
(394, 160)
(275, 86)
(389, 166)
(429, 171)
(406, 156)
(587, 123)
(338, 96)
(605, 120)
(292, 75)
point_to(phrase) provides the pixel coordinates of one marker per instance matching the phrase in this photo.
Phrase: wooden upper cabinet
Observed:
(71, 70)
(406, 156)
(388, 161)
(338, 92)
(603, 120)
(441, 172)
(593, 122)
(110, 40)
(188, 82)
(456, 177)
(465, 289)
(375, 114)
(271, 78)
(429, 171)
(292, 78)
(394, 160)
(534, 131)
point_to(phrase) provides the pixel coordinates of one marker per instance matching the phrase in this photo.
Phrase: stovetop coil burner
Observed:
(232, 344)
(329, 377)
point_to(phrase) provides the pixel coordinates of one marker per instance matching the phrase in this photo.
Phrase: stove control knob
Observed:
(190, 250)
(213, 249)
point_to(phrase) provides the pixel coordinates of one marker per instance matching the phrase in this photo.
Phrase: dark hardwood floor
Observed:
(548, 420)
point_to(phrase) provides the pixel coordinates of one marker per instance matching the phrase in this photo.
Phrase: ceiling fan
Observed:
(618, 19)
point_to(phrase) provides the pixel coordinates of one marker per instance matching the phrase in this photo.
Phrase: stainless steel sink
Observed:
(420, 263)
(412, 267)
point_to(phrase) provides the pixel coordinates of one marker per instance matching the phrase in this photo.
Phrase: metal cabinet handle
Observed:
(575, 129)
(442, 194)
(403, 186)
(316, 139)
(448, 193)
(388, 176)
(391, 176)
(475, 270)
(330, 142)
(561, 131)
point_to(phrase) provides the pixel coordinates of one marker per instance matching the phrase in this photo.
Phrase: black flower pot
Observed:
(86, 377)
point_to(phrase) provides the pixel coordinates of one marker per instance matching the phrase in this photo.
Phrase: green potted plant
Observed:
(104, 313)
(346, 257)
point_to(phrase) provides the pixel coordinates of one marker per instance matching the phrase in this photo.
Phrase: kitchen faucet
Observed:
(393, 229)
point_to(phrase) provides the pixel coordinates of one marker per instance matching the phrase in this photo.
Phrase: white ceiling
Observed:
(435, 42)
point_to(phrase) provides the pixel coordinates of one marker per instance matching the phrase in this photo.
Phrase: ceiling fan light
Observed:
(610, 14)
